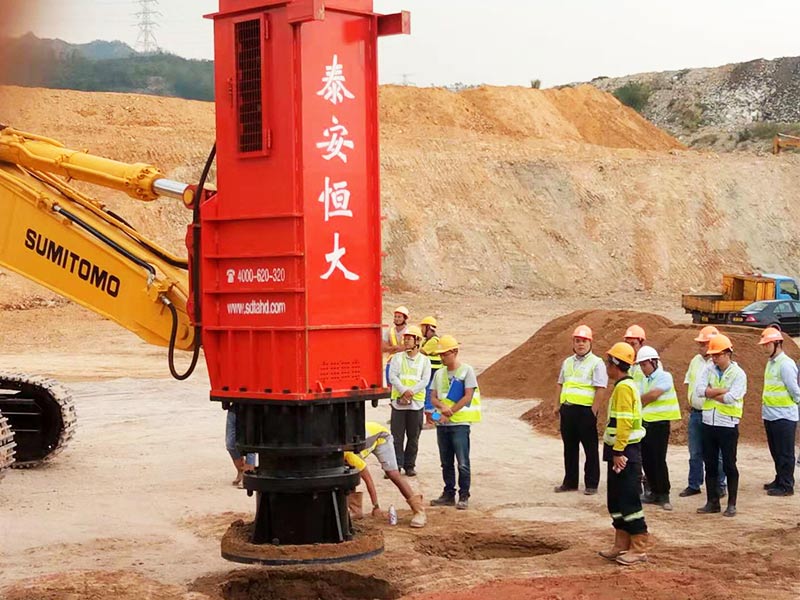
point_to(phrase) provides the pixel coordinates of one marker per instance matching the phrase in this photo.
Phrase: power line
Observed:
(146, 40)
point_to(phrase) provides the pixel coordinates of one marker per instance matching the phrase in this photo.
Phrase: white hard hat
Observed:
(646, 353)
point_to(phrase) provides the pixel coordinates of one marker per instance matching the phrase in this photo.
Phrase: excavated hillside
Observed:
(553, 192)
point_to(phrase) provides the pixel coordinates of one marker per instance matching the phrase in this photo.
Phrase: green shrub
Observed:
(634, 94)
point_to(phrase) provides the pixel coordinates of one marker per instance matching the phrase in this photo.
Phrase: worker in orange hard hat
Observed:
(779, 401)
(694, 427)
(430, 348)
(636, 337)
(582, 375)
(622, 451)
(722, 388)
(393, 336)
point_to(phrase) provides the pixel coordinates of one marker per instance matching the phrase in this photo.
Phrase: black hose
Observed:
(172, 337)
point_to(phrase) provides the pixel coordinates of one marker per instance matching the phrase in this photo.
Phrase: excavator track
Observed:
(6, 446)
(40, 414)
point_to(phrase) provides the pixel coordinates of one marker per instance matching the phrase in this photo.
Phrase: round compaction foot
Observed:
(237, 547)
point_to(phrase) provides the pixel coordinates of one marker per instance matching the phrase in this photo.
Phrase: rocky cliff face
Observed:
(734, 106)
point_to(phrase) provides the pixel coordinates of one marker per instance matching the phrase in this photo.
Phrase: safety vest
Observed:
(410, 375)
(695, 368)
(776, 393)
(636, 373)
(637, 431)
(577, 387)
(663, 408)
(715, 380)
(470, 413)
(436, 360)
(393, 341)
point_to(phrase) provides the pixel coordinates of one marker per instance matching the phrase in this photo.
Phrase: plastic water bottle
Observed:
(392, 515)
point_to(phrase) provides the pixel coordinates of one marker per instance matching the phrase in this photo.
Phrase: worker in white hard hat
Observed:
(694, 427)
(393, 336)
(659, 408)
(582, 375)
(779, 401)
(409, 375)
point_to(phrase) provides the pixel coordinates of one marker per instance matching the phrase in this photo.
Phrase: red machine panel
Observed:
(291, 245)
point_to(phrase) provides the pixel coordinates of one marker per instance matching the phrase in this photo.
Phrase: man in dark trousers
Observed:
(622, 451)
(582, 375)
(779, 402)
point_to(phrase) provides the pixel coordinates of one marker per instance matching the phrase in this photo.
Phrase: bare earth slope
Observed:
(554, 191)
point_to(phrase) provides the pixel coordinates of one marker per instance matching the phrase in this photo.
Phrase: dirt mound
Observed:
(531, 370)
(582, 114)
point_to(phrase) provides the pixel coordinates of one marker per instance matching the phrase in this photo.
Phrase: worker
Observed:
(694, 427)
(723, 388)
(581, 376)
(409, 374)
(779, 402)
(456, 397)
(659, 408)
(393, 336)
(380, 443)
(430, 348)
(243, 464)
(622, 451)
(636, 337)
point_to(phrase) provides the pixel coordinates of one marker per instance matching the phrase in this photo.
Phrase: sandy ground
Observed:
(135, 506)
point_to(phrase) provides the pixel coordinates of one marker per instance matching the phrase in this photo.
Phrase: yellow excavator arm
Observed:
(68, 242)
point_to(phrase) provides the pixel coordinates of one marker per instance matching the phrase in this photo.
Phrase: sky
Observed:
(499, 42)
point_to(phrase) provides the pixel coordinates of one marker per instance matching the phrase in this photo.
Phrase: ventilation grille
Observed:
(344, 370)
(248, 63)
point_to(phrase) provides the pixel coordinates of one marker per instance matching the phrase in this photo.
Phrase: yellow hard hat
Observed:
(624, 352)
(429, 321)
(771, 334)
(402, 310)
(720, 343)
(413, 330)
(447, 343)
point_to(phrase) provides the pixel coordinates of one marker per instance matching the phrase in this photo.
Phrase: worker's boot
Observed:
(355, 505)
(420, 518)
(637, 552)
(622, 542)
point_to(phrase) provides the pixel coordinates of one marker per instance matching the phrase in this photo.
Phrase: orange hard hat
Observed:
(719, 343)
(624, 352)
(770, 334)
(402, 310)
(706, 333)
(634, 331)
(583, 331)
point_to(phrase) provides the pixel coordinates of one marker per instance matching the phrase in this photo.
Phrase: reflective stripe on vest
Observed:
(577, 387)
(436, 360)
(470, 413)
(637, 430)
(715, 380)
(775, 391)
(663, 408)
(411, 375)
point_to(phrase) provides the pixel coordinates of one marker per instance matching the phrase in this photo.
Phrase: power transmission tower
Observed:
(146, 40)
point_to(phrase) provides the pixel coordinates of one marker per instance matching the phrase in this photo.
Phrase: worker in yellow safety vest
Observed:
(694, 428)
(430, 348)
(622, 451)
(779, 411)
(722, 388)
(393, 336)
(457, 400)
(659, 408)
(582, 375)
(380, 443)
(409, 374)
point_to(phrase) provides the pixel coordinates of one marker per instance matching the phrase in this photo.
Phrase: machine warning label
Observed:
(72, 262)
(256, 307)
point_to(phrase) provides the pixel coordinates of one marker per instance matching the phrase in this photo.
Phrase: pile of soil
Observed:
(531, 370)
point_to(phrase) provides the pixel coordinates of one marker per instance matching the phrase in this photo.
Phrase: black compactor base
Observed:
(301, 482)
